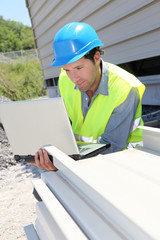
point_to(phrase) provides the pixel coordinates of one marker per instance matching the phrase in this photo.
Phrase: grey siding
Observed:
(129, 30)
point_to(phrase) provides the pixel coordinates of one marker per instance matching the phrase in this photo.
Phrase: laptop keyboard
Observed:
(81, 150)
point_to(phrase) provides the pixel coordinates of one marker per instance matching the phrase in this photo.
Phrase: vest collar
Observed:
(103, 86)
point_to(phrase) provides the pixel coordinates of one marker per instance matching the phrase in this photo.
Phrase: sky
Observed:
(15, 10)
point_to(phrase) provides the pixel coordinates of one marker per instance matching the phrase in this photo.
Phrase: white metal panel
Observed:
(50, 227)
(152, 91)
(37, 4)
(44, 12)
(136, 48)
(59, 11)
(151, 138)
(41, 233)
(89, 11)
(113, 12)
(130, 30)
(127, 195)
(68, 229)
(52, 91)
(85, 9)
(46, 50)
(93, 224)
(46, 62)
(30, 2)
(141, 22)
(152, 94)
(47, 37)
(78, 12)
(68, 11)
(109, 27)
(51, 72)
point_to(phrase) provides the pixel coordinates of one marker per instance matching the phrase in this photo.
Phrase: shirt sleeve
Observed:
(119, 125)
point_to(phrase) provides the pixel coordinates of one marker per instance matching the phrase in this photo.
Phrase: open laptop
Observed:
(31, 124)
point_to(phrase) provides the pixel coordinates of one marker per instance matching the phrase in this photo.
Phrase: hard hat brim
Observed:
(64, 61)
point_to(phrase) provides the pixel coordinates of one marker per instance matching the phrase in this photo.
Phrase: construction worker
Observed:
(103, 101)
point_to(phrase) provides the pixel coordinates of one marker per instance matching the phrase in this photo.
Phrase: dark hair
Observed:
(90, 54)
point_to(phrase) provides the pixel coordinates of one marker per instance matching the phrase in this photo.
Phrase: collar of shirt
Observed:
(103, 86)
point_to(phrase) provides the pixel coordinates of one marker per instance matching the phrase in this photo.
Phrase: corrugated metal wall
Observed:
(129, 30)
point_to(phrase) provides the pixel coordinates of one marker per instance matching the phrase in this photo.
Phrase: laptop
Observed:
(32, 124)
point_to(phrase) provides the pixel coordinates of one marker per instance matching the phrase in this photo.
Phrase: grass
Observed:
(20, 80)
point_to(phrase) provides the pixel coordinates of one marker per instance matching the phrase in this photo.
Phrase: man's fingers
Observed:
(45, 154)
(42, 161)
(48, 163)
(37, 162)
(41, 157)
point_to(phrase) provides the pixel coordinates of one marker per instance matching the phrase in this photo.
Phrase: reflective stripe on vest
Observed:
(90, 139)
(135, 124)
(136, 144)
(86, 139)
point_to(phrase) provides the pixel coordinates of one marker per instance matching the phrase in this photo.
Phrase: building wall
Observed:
(129, 30)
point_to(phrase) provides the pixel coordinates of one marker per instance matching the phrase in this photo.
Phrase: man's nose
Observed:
(75, 77)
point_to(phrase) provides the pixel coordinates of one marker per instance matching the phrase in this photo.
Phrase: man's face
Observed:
(84, 73)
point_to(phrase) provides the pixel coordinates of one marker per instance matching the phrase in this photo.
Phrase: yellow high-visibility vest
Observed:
(89, 130)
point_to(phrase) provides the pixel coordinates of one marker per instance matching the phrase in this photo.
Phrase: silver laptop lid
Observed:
(31, 124)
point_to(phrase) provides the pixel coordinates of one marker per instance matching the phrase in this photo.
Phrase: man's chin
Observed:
(82, 89)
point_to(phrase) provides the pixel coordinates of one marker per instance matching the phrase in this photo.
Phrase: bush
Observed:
(21, 80)
(15, 36)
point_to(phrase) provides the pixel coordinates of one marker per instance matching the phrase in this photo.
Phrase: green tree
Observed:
(27, 38)
(15, 36)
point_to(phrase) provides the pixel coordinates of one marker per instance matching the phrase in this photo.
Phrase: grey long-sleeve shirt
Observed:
(120, 122)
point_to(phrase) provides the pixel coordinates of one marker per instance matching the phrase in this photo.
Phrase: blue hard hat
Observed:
(72, 42)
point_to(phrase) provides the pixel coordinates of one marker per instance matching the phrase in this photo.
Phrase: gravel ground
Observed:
(6, 155)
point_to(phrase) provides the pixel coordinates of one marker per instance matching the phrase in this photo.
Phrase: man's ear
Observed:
(97, 57)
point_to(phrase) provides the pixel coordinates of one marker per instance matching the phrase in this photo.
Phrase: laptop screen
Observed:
(31, 124)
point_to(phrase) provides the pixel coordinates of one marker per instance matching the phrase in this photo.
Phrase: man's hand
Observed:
(42, 161)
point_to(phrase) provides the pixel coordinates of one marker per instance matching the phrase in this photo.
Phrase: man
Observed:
(103, 101)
